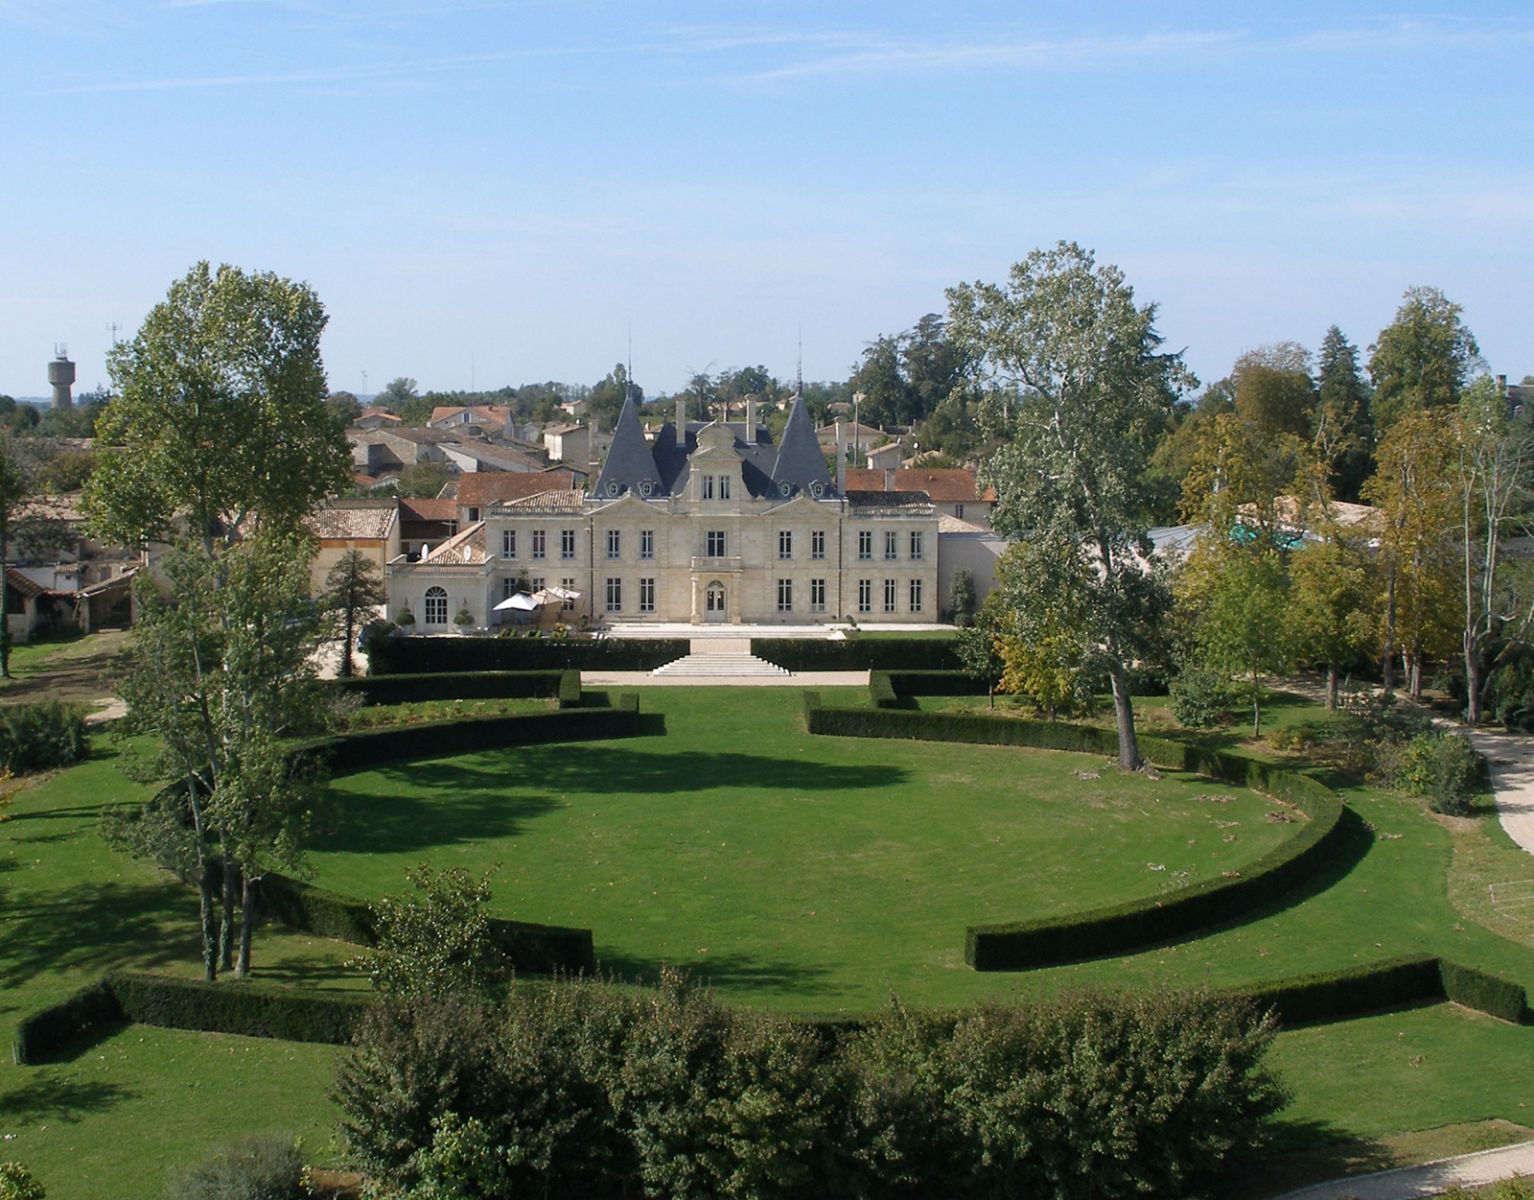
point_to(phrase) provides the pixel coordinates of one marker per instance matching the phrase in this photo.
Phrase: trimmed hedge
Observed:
(880, 691)
(533, 949)
(243, 1007)
(1134, 924)
(456, 685)
(1337, 995)
(365, 749)
(1476, 989)
(934, 683)
(569, 689)
(859, 654)
(45, 1033)
(428, 655)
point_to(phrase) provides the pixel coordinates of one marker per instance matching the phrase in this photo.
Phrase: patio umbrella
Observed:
(521, 602)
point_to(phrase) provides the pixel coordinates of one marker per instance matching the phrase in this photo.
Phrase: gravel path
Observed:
(1511, 758)
(1428, 1179)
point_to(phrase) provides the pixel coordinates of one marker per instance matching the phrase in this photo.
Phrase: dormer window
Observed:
(706, 488)
(724, 487)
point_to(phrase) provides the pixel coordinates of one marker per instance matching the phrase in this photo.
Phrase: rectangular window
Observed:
(916, 595)
(508, 587)
(473, 513)
(567, 543)
(724, 487)
(614, 543)
(715, 543)
(707, 485)
(889, 595)
(818, 543)
(647, 543)
(539, 545)
(958, 510)
(508, 543)
(817, 595)
(891, 545)
(614, 595)
(647, 595)
(785, 595)
(785, 543)
(535, 584)
(568, 604)
(865, 595)
(865, 544)
(916, 546)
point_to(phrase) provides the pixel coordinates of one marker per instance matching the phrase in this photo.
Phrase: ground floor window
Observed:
(865, 595)
(535, 584)
(436, 606)
(568, 583)
(647, 595)
(916, 595)
(889, 595)
(785, 595)
(614, 595)
(817, 595)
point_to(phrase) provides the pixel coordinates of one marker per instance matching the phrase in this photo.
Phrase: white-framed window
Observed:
(958, 510)
(724, 487)
(647, 594)
(535, 584)
(817, 595)
(540, 544)
(889, 595)
(916, 545)
(865, 544)
(891, 545)
(865, 595)
(706, 488)
(436, 606)
(567, 543)
(614, 595)
(508, 543)
(614, 543)
(714, 542)
(785, 543)
(508, 587)
(647, 543)
(785, 595)
(568, 603)
(817, 543)
(916, 595)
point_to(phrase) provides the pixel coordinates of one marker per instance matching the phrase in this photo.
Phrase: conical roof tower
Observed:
(629, 466)
(800, 466)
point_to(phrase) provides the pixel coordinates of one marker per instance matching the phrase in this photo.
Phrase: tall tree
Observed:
(1331, 601)
(1273, 389)
(220, 419)
(1344, 429)
(1067, 336)
(1423, 359)
(352, 589)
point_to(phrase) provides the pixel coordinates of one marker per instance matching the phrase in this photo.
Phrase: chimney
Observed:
(889, 479)
(681, 420)
(841, 463)
(1502, 384)
(751, 420)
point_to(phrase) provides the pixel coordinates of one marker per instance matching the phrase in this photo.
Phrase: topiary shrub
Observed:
(263, 1166)
(1200, 698)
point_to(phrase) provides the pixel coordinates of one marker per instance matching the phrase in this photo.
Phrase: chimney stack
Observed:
(751, 420)
(681, 420)
(841, 462)
(889, 479)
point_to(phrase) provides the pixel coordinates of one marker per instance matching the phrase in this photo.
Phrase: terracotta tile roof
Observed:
(484, 488)
(428, 510)
(490, 412)
(467, 547)
(21, 585)
(364, 519)
(554, 500)
(949, 524)
(888, 504)
(946, 485)
(378, 412)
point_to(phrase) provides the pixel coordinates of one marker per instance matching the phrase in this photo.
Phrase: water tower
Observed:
(61, 376)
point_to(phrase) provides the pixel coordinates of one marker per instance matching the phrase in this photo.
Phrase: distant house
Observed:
(28, 606)
(474, 495)
(387, 451)
(375, 418)
(488, 420)
(577, 444)
(854, 437)
(470, 457)
(370, 526)
(426, 523)
(953, 490)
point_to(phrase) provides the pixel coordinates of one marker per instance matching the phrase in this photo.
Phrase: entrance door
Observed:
(713, 608)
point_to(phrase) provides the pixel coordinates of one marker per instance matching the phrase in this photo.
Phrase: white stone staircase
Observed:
(720, 658)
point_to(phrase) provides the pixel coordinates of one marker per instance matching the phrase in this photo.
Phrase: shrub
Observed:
(437, 940)
(1444, 767)
(1200, 697)
(427, 655)
(44, 1033)
(18, 1183)
(40, 736)
(265, 1166)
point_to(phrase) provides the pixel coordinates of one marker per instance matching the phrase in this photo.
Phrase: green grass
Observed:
(27, 657)
(800, 872)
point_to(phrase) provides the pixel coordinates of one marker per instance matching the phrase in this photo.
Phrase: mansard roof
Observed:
(630, 465)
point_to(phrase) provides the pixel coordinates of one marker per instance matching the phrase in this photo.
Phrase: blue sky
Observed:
(490, 192)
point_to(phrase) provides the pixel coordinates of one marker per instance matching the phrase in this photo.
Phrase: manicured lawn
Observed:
(26, 657)
(806, 873)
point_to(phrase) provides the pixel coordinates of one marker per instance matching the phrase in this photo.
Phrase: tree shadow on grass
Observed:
(1304, 1152)
(49, 1097)
(730, 971)
(92, 927)
(480, 808)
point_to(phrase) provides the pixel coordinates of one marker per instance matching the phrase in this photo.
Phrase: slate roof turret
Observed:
(800, 466)
(630, 466)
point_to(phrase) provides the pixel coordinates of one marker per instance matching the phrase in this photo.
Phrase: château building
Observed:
(704, 522)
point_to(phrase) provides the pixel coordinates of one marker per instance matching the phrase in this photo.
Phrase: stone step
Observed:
(723, 666)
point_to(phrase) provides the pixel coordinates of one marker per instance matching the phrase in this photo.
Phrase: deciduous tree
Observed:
(1423, 359)
(1095, 393)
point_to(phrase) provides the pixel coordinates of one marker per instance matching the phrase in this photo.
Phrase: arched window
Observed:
(436, 606)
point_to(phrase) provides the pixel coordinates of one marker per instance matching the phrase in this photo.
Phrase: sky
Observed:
(486, 192)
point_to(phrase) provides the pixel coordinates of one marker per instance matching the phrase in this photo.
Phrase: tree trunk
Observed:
(346, 643)
(990, 695)
(1414, 676)
(1256, 705)
(1389, 666)
(1124, 718)
(226, 926)
(250, 894)
(1331, 687)
(1472, 684)
(209, 919)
